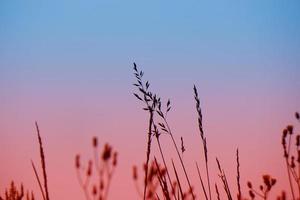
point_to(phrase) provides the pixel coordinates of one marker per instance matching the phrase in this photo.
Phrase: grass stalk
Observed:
(164, 162)
(43, 162)
(202, 184)
(178, 181)
(288, 168)
(180, 158)
(38, 180)
(200, 125)
(148, 152)
(239, 195)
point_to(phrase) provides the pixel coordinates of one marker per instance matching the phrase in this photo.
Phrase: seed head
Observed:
(293, 162)
(95, 141)
(101, 185)
(252, 195)
(249, 184)
(89, 170)
(115, 158)
(266, 179)
(106, 152)
(134, 173)
(290, 129)
(284, 133)
(261, 187)
(77, 161)
(94, 190)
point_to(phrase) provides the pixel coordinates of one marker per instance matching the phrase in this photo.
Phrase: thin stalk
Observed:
(217, 191)
(258, 194)
(178, 181)
(162, 182)
(298, 180)
(83, 185)
(43, 162)
(109, 178)
(238, 175)
(208, 181)
(148, 150)
(227, 186)
(38, 179)
(168, 175)
(288, 169)
(181, 161)
(202, 184)
(200, 125)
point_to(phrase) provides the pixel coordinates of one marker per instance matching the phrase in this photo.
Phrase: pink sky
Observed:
(68, 65)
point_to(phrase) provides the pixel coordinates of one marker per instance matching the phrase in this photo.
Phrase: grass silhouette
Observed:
(160, 180)
(162, 127)
(44, 191)
(103, 168)
(13, 193)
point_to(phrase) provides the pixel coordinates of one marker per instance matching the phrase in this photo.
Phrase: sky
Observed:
(68, 65)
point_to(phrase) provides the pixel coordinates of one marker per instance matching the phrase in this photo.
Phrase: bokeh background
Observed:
(68, 65)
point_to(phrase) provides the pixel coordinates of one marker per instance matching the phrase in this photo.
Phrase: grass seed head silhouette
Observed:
(102, 166)
(13, 193)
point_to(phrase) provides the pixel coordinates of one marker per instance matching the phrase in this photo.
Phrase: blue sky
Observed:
(235, 46)
(238, 46)
(69, 32)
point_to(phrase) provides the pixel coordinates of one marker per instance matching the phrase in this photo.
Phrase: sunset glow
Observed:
(69, 66)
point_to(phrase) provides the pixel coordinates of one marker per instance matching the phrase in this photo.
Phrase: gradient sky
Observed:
(68, 65)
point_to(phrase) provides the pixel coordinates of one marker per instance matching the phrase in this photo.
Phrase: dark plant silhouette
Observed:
(150, 102)
(204, 143)
(13, 193)
(163, 180)
(103, 166)
(292, 164)
(264, 189)
(44, 190)
(153, 104)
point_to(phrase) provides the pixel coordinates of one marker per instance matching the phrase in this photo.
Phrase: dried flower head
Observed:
(115, 155)
(89, 169)
(293, 162)
(249, 184)
(94, 190)
(266, 179)
(290, 129)
(298, 140)
(106, 152)
(77, 161)
(252, 195)
(101, 185)
(134, 173)
(95, 141)
(283, 139)
(261, 187)
(284, 133)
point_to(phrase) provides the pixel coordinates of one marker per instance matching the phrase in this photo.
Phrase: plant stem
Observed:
(148, 150)
(163, 158)
(288, 169)
(181, 161)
